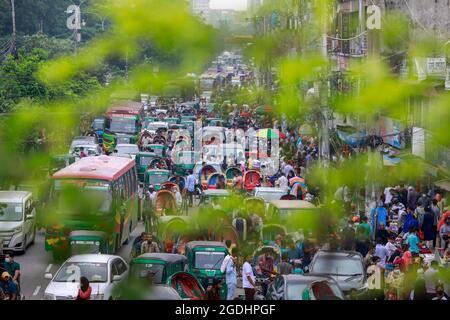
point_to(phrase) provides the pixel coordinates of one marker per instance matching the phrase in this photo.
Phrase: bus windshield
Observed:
(82, 197)
(123, 125)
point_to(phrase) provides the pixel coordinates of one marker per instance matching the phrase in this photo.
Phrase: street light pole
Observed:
(14, 32)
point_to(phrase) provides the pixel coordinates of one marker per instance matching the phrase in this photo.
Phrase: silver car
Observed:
(346, 267)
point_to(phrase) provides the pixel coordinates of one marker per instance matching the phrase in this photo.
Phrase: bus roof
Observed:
(96, 168)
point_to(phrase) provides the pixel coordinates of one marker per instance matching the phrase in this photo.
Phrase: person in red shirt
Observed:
(85, 290)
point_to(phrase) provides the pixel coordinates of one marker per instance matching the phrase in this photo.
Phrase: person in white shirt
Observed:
(381, 252)
(178, 197)
(248, 279)
(229, 268)
(390, 246)
(282, 182)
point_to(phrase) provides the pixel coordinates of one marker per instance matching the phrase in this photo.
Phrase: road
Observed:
(36, 262)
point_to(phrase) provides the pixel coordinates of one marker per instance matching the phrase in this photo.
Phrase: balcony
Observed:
(353, 47)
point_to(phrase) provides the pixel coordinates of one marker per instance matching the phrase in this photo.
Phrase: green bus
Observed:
(94, 193)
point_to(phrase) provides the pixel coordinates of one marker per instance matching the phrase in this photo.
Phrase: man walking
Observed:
(191, 181)
(229, 268)
(248, 278)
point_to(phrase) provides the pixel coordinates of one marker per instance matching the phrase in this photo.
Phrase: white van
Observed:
(17, 220)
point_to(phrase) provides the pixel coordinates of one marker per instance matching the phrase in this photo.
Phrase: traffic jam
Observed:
(164, 199)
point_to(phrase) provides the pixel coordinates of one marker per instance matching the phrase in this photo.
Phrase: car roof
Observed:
(126, 145)
(306, 277)
(343, 253)
(13, 196)
(269, 189)
(218, 192)
(167, 257)
(198, 244)
(99, 258)
(293, 204)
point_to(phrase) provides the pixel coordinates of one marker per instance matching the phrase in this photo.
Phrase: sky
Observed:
(229, 4)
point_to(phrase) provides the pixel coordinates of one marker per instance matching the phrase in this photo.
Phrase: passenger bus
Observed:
(94, 193)
(124, 121)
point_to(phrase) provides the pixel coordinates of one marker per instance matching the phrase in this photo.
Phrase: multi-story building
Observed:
(201, 8)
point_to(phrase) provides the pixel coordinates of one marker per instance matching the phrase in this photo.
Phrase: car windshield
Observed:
(98, 124)
(90, 151)
(80, 196)
(146, 270)
(295, 290)
(158, 178)
(208, 259)
(269, 195)
(11, 211)
(127, 149)
(145, 161)
(84, 247)
(123, 125)
(155, 126)
(337, 265)
(72, 271)
(157, 151)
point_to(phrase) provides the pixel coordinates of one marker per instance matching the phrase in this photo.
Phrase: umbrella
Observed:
(270, 133)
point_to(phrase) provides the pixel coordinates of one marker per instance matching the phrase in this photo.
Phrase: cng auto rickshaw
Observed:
(90, 242)
(143, 160)
(160, 266)
(204, 261)
(156, 177)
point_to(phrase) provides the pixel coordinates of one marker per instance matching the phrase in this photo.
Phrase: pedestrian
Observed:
(12, 267)
(428, 228)
(148, 245)
(412, 197)
(419, 292)
(382, 234)
(430, 276)
(379, 216)
(381, 252)
(213, 291)
(248, 278)
(348, 236)
(237, 181)
(363, 236)
(444, 233)
(191, 182)
(440, 293)
(285, 267)
(8, 287)
(85, 290)
(282, 182)
(136, 248)
(229, 268)
(413, 242)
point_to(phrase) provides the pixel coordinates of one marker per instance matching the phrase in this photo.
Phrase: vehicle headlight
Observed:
(18, 229)
(49, 296)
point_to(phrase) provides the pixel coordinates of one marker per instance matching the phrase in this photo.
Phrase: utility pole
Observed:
(14, 31)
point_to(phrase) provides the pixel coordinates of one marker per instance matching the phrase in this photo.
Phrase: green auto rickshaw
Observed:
(204, 261)
(90, 242)
(143, 160)
(159, 149)
(156, 177)
(172, 120)
(159, 266)
(185, 161)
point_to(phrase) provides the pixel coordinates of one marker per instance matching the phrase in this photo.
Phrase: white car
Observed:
(126, 150)
(269, 194)
(104, 273)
